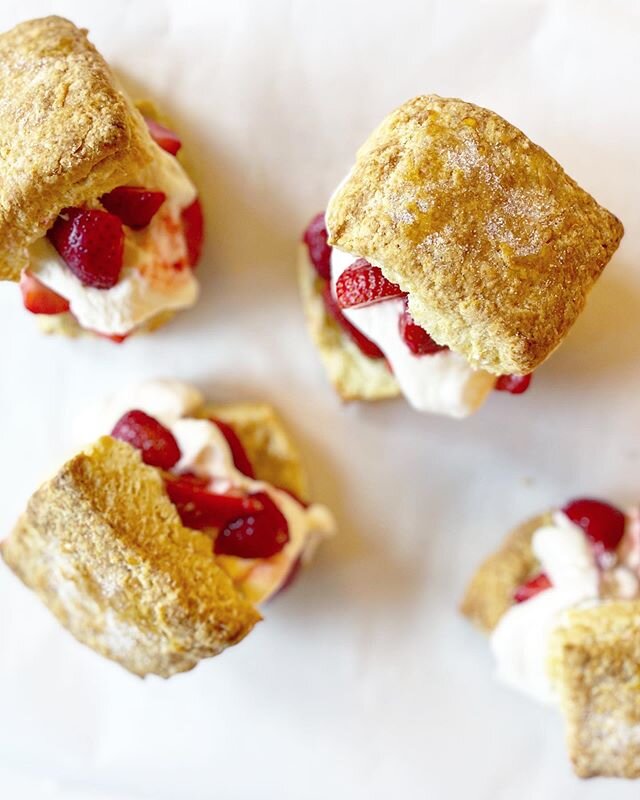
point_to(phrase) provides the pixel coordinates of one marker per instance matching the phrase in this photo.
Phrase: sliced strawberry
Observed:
(315, 237)
(362, 284)
(38, 298)
(239, 454)
(134, 205)
(91, 242)
(366, 346)
(156, 443)
(531, 588)
(166, 138)
(200, 508)
(514, 384)
(603, 523)
(415, 337)
(193, 224)
(259, 534)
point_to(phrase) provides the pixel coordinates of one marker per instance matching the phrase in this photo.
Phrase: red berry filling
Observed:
(193, 226)
(363, 284)
(91, 244)
(531, 588)
(603, 523)
(415, 337)
(514, 384)
(366, 346)
(134, 205)
(156, 443)
(38, 298)
(200, 508)
(260, 534)
(315, 237)
(238, 453)
(163, 136)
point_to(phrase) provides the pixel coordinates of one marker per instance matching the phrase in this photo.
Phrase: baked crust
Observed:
(497, 246)
(274, 456)
(595, 660)
(490, 591)
(68, 133)
(353, 375)
(104, 548)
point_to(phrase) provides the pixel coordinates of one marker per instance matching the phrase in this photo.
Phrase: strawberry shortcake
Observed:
(156, 544)
(101, 225)
(560, 602)
(451, 261)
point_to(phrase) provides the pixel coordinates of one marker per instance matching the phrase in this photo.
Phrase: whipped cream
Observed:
(142, 292)
(442, 383)
(206, 453)
(520, 641)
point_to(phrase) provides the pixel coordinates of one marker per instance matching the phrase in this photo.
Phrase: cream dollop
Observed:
(520, 641)
(136, 298)
(443, 383)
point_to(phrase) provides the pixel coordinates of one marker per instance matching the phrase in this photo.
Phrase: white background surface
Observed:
(363, 682)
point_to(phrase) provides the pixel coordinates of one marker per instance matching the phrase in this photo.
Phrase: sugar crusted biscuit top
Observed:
(67, 132)
(104, 548)
(497, 246)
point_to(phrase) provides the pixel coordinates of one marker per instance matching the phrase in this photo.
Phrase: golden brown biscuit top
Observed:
(496, 244)
(67, 132)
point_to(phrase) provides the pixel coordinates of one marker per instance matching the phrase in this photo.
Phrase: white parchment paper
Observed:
(362, 682)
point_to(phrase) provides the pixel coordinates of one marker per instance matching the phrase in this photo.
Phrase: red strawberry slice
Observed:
(200, 508)
(135, 205)
(366, 346)
(91, 242)
(514, 384)
(163, 136)
(531, 588)
(603, 523)
(38, 298)
(315, 237)
(155, 442)
(238, 453)
(261, 534)
(193, 225)
(415, 337)
(362, 284)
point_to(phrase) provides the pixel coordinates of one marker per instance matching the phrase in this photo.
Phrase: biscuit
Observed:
(490, 591)
(68, 133)
(595, 663)
(496, 245)
(103, 547)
